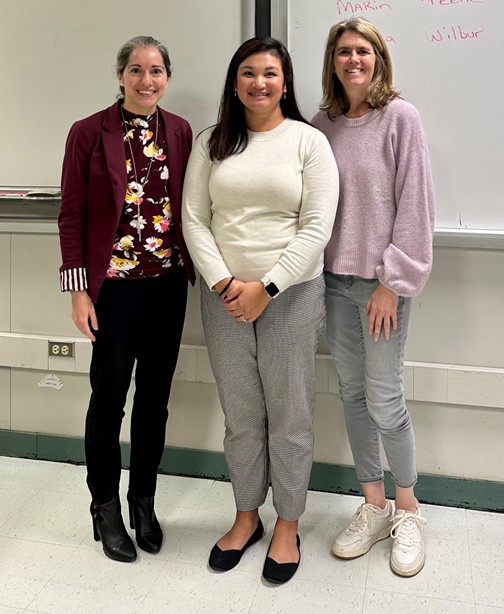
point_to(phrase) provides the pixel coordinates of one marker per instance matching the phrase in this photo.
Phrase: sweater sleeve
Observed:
(72, 217)
(407, 260)
(197, 215)
(316, 216)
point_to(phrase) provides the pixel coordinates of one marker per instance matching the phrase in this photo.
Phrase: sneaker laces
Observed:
(405, 528)
(360, 519)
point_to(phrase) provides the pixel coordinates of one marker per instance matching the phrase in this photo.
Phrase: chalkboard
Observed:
(58, 61)
(448, 58)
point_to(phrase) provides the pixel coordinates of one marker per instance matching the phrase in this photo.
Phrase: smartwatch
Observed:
(269, 287)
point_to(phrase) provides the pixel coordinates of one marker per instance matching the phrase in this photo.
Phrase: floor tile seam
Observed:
(101, 589)
(363, 595)
(169, 493)
(492, 606)
(366, 579)
(204, 566)
(141, 605)
(212, 482)
(9, 517)
(332, 583)
(336, 527)
(60, 491)
(189, 527)
(193, 507)
(52, 576)
(15, 609)
(419, 596)
(438, 539)
(220, 512)
(142, 601)
(11, 484)
(43, 588)
(478, 541)
(159, 511)
(473, 578)
(44, 542)
(254, 596)
(38, 541)
(467, 530)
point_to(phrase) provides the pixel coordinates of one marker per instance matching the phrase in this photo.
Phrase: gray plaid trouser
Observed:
(265, 374)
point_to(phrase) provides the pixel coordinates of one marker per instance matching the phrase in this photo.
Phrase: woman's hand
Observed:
(220, 285)
(381, 310)
(245, 301)
(83, 313)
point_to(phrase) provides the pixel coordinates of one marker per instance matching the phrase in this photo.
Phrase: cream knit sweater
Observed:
(266, 211)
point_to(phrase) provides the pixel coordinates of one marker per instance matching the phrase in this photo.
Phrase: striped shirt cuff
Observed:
(73, 279)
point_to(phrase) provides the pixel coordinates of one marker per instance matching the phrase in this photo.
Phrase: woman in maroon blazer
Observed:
(127, 267)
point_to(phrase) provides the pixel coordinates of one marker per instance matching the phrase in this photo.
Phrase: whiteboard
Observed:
(58, 61)
(448, 58)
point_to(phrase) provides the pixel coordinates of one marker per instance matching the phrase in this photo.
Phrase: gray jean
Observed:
(371, 381)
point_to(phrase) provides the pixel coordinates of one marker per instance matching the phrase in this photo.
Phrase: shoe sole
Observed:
(407, 573)
(341, 554)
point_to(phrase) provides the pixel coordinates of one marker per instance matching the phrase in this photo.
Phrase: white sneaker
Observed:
(369, 525)
(408, 551)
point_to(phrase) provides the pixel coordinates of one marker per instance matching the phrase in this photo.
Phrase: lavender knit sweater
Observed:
(385, 218)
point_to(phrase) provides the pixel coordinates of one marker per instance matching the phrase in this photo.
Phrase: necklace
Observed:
(138, 190)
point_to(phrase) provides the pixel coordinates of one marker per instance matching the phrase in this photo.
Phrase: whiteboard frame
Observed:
(443, 237)
(248, 11)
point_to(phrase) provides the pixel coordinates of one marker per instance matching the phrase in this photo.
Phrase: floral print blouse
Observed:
(144, 245)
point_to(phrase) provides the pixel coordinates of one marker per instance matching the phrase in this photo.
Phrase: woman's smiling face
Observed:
(144, 80)
(354, 62)
(260, 84)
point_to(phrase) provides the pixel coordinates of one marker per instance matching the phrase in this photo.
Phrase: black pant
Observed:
(138, 320)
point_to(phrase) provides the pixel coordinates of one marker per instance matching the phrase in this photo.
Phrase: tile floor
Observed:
(50, 564)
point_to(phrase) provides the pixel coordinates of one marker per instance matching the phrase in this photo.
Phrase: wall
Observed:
(454, 377)
(455, 371)
(59, 66)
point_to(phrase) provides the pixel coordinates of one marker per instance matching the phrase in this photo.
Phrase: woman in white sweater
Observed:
(259, 203)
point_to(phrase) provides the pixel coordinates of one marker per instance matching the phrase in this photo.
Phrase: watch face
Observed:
(271, 289)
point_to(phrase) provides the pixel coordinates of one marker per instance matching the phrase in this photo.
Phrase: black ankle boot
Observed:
(149, 535)
(108, 526)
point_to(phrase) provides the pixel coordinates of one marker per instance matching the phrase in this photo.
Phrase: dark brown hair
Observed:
(230, 133)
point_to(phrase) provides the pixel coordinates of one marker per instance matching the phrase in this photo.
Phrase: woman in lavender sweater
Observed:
(379, 256)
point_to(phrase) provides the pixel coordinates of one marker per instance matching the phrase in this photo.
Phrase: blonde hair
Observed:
(381, 89)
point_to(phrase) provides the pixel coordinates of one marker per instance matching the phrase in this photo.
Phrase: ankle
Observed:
(286, 526)
(381, 504)
(245, 521)
(408, 504)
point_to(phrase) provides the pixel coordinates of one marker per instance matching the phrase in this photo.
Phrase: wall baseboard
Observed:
(435, 490)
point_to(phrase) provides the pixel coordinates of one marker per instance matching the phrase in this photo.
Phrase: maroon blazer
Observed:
(93, 187)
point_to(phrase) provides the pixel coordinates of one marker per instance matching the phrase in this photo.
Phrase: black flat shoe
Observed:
(148, 533)
(279, 573)
(224, 560)
(108, 526)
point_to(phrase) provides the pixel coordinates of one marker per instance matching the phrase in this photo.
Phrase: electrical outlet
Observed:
(61, 349)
